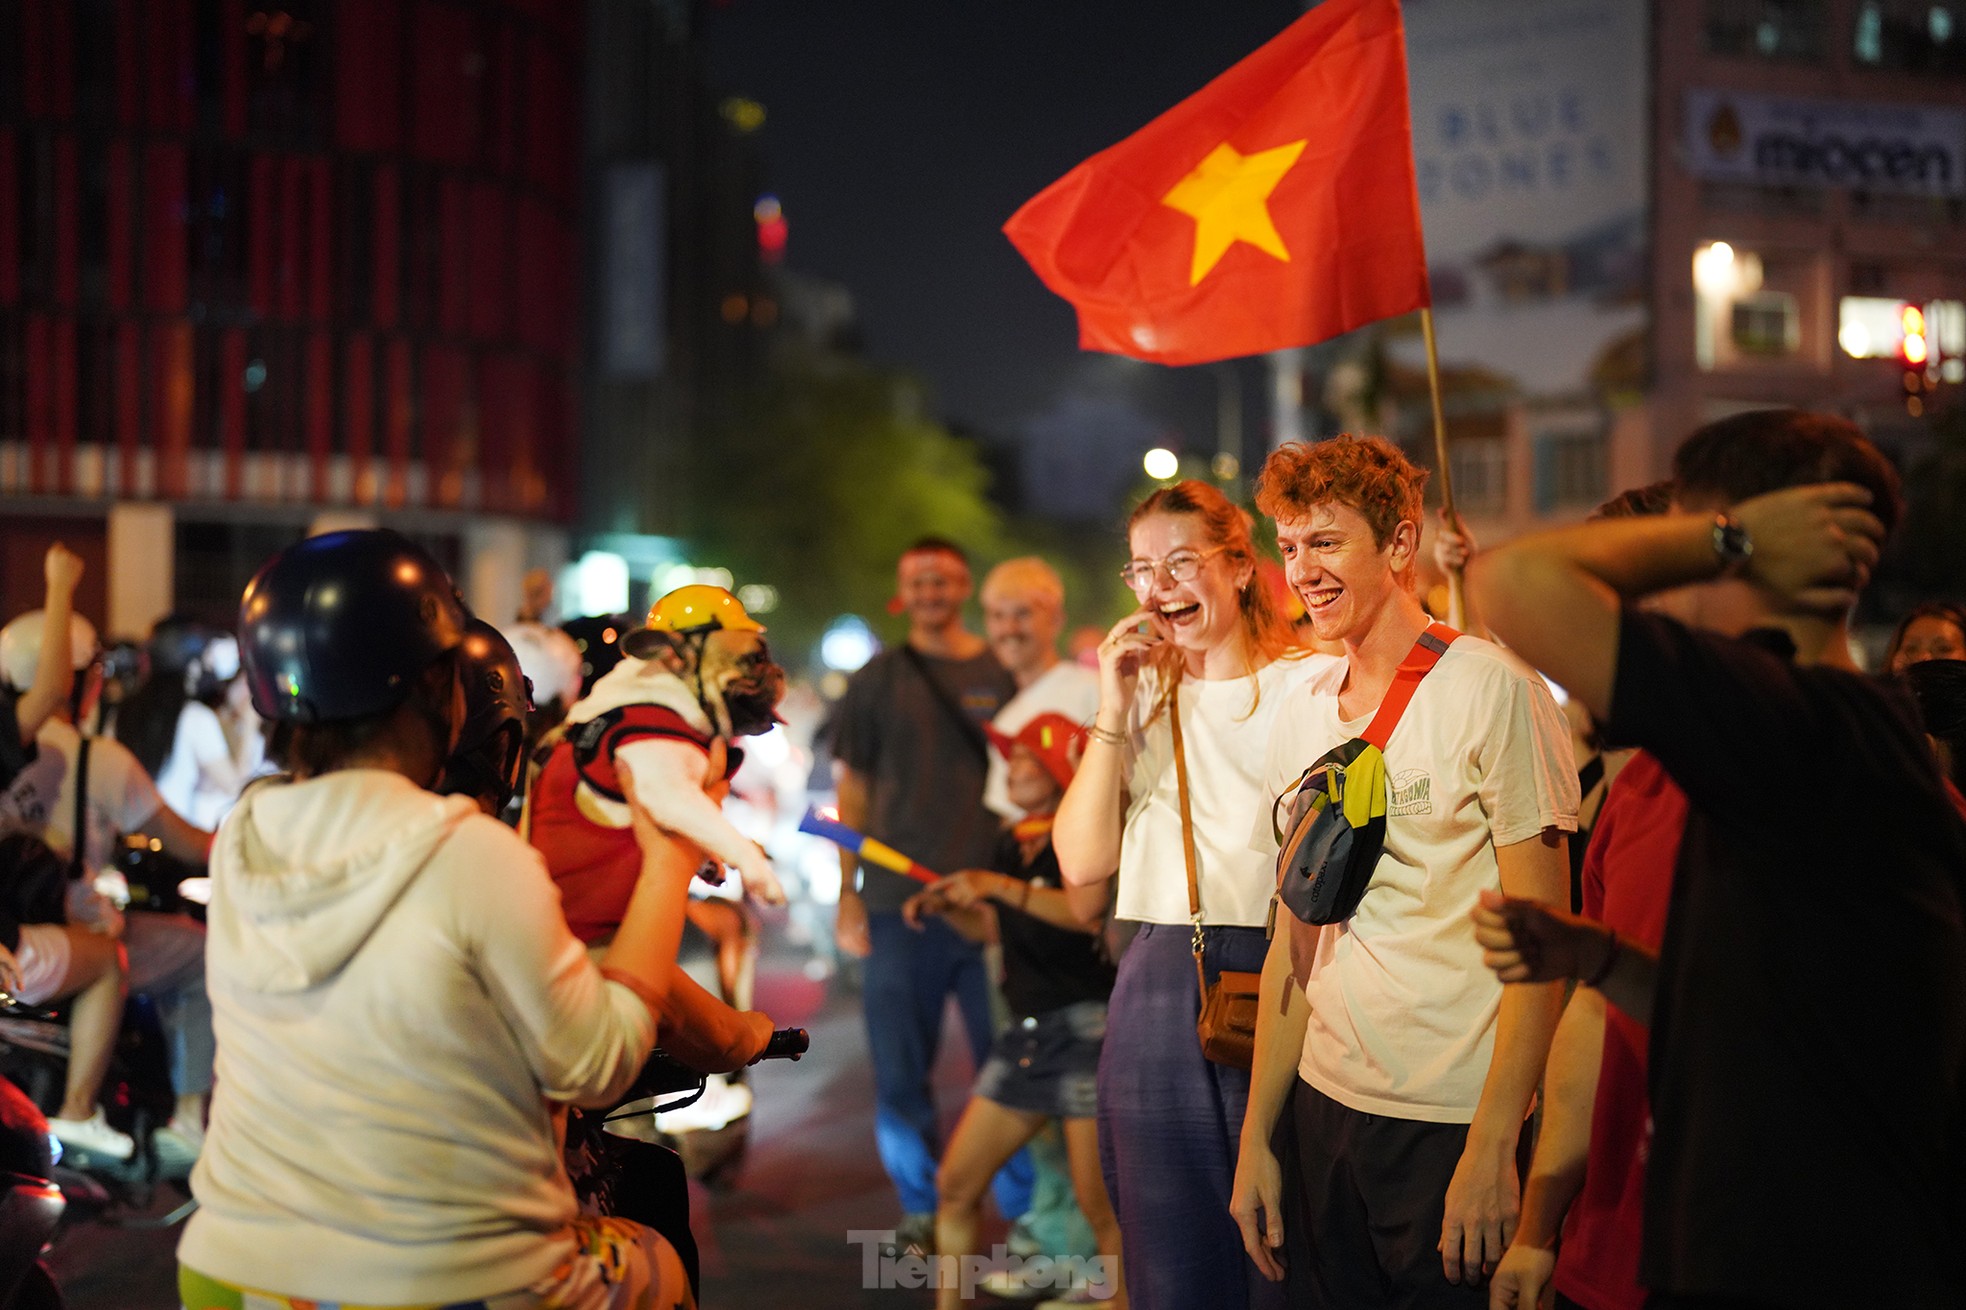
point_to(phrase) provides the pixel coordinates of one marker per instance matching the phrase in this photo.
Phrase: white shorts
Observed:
(44, 954)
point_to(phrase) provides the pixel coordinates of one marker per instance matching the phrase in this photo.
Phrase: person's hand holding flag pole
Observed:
(1273, 208)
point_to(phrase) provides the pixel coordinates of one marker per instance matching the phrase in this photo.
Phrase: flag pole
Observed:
(1457, 605)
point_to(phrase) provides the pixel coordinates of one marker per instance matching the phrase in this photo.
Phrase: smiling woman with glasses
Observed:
(1207, 644)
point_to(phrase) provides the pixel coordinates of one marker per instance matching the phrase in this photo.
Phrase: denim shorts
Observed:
(1048, 1063)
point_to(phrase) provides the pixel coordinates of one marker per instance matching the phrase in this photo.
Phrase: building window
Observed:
(1754, 198)
(1748, 304)
(1480, 468)
(1917, 36)
(1767, 324)
(1908, 211)
(1787, 30)
(1570, 470)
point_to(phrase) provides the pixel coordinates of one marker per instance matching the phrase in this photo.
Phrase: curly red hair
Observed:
(1369, 474)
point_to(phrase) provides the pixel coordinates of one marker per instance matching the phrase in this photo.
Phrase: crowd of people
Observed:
(1611, 918)
(1605, 948)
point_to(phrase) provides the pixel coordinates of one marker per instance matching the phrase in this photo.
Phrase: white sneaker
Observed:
(94, 1136)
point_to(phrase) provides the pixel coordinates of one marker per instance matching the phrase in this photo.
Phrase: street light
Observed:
(1161, 463)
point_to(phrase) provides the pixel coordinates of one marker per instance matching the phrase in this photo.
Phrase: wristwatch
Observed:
(1731, 543)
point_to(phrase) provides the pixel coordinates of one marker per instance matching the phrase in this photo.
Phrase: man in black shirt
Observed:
(1806, 1100)
(910, 760)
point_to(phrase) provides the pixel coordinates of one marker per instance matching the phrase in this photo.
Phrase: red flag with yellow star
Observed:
(1273, 208)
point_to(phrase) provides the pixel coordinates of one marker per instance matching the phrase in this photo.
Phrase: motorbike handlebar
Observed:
(787, 1044)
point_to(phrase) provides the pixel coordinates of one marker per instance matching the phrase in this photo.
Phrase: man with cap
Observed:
(641, 765)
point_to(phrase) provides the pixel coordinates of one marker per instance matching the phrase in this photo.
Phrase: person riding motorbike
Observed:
(489, 762)
(398, 999)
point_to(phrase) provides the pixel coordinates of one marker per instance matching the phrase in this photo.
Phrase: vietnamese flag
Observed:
(1273, 208)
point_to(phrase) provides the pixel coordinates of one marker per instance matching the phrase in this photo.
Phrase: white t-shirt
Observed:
(1065, 688)
(41, 800)
(188, 781)
(1224, 727)
(1402, 1008)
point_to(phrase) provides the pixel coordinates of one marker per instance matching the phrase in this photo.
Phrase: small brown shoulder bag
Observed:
(1227, 1026)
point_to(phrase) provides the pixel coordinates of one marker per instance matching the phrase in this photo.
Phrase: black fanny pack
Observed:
(1330, 840)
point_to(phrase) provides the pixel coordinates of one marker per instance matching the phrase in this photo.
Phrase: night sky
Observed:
(902, 133)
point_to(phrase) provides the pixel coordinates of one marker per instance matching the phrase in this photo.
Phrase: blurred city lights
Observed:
(600, 583)
(772, 228)
(1161, 463)
(1912, 348)
(743, 114)
(758, 597)
(848, 644)
(1713, 269)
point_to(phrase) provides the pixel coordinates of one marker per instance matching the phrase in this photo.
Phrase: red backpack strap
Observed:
(1426, 652)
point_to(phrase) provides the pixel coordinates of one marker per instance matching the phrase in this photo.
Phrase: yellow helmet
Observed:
(698, 607)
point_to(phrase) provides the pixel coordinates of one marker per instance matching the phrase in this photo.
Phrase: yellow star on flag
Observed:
(1228, 197)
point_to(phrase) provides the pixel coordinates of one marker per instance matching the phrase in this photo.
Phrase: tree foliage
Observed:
(825, 476)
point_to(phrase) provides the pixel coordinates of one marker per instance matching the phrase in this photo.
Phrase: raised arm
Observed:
(1086, 833)
(1555, 597)
(54, 676)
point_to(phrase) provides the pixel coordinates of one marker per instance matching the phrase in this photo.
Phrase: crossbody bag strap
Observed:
(1426, 652)
(79, 831)
(972, 731)
(1187, 834)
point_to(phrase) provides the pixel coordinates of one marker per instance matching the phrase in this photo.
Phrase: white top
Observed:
(1225, 727)
(1402, 1008)
(188, 781)
(1065, 688)
(549, 657)
(41, 800)
(396, 997)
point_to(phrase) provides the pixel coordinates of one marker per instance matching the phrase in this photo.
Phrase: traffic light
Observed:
(1913, 351)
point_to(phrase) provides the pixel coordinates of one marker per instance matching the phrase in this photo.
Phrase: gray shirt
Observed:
(924, 771)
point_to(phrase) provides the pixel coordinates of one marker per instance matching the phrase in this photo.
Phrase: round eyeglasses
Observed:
(1181, 566)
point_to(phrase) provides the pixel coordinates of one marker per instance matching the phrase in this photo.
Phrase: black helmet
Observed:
(204, 658)
(337, 626)
(491, 746)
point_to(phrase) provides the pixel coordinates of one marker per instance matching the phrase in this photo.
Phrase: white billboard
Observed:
(1530, 144)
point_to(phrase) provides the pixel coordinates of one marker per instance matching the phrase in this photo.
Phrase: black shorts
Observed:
(1048, 1063)
(1370, 1194)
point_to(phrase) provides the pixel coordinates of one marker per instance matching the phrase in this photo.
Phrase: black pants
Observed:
(1362, 1223)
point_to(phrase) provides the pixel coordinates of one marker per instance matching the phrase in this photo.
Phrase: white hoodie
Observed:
(395, 996)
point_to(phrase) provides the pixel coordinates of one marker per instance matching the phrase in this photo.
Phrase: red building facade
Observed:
(310, 255)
